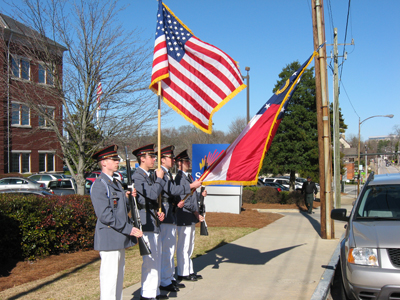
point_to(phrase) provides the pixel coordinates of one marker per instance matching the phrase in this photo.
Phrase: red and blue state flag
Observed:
(242, 161)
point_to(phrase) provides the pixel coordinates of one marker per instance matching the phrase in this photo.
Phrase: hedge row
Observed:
(33, 226)
(271, 195)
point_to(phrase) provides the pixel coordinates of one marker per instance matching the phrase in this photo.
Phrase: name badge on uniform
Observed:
(115, 199)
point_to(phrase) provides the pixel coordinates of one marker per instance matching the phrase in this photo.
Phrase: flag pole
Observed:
(159, 137)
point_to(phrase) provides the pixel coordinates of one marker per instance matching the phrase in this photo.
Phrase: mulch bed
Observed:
(16, 273)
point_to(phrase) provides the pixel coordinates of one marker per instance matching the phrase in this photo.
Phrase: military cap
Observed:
(108, 152)
(147, 149)
(182, 156)
(167, 151)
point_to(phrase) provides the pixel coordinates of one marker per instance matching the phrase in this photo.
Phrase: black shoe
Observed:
(188, 278)
(162, 297)
(177, 284)
(195, 275)
(144, 298)
(169, 288)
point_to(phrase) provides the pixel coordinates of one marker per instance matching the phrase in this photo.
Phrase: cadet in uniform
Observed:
(187, 216)
(168, 226)
(148, 190)
(114, 231)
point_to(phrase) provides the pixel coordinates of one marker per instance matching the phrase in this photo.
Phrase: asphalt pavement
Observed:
(287, 259)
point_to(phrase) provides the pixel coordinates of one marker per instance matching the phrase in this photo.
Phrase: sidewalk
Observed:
(284, 260)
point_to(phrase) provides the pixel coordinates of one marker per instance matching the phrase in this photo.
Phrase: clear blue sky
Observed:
(266, 35)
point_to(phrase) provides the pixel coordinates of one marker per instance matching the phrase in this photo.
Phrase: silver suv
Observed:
(45, 178)
(370, 250)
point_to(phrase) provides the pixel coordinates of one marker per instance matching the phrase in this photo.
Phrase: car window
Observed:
(46, 177)
(58, 176)
(92, 175)
(66, 184)
(268, 180)
(52, 184)
(18, 181)
(34, 177)
(4, 181)
(380, 201)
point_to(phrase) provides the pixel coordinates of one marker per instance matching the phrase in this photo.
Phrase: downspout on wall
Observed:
(8, 104)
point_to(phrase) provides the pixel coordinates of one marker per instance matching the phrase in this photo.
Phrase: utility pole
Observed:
(322, 103)
(336, 119)
(336, 149)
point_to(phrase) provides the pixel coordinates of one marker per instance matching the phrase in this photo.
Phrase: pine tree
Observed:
(295, 146)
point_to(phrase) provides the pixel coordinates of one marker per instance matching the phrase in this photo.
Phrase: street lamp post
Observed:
(359, 129)
(248, 93)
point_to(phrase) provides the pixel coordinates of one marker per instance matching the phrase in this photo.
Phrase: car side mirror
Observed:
(339, 214)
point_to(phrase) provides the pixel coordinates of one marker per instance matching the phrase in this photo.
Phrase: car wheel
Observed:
(342, 290)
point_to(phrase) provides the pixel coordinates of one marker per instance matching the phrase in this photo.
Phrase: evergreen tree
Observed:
(295, 146)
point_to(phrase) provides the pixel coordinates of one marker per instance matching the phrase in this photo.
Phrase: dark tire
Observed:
(342, 290)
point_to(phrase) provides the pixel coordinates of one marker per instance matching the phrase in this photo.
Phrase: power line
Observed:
(330, 17)
(341, 83)
(345, 38)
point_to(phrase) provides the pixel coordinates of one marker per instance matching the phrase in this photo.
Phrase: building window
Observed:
(20, 162)
(43, 122)
(42, 74)
(46, 162)
(20, 114)
(20, 67)
(45, 75)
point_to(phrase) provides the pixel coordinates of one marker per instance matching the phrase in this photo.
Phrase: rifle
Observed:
(202, 209)
(143, 247)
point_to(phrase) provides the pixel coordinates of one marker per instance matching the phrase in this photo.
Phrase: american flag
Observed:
(99, 92)
(197, 79)
(242, 161)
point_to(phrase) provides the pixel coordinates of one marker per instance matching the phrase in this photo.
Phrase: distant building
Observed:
(383, 137)
(27, 145)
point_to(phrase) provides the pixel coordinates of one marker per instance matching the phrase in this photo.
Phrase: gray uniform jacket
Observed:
(169, 199)
(147, 198)
(185, 215)
(111, 208)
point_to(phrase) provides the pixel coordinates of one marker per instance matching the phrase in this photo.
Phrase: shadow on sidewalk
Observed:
(232, 253)
(314, 223)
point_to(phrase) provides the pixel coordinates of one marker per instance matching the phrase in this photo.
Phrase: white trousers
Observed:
(151, 266)
(168, 245)
(112, 268)
(184, 249)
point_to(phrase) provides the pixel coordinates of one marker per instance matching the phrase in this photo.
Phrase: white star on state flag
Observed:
(267, 106)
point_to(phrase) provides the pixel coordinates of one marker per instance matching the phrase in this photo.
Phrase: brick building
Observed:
(27, 84)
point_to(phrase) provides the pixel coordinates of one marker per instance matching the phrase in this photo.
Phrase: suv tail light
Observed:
(42, 185)
(279, 189)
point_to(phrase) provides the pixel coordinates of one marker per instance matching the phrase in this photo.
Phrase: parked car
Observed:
(45, 178)
(117, 175)
(65, 186)
(38, 192)
(19, 183)
(370, 249)
(283, 181)
(279, 187)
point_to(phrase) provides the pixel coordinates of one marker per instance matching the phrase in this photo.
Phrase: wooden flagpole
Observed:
(159, 137)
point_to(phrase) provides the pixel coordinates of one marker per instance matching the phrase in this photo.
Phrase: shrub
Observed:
(295, 197)
(248, 196)
(267, 194)
(41, 226)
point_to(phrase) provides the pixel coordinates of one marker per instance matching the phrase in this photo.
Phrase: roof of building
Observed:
(22, 30)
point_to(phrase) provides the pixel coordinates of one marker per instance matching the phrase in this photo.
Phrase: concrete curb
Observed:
(323, 288)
